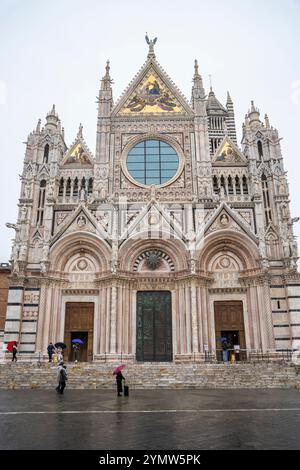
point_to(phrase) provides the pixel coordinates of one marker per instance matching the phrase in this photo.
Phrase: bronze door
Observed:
(154, 326)
(79, 323)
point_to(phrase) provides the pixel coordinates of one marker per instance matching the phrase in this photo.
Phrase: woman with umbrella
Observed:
(119, 378)
(76, 347)
(12, 347)
(60, 346)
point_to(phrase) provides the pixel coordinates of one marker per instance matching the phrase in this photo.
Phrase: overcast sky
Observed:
(55, 52)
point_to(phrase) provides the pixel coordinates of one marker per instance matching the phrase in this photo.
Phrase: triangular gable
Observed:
(228, 154)
(82, 220)
(79, 155)
(225, 218)
(43, 171)
(152, 217)
(152, 92)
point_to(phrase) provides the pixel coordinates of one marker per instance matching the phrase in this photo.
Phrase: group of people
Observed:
(55, 354)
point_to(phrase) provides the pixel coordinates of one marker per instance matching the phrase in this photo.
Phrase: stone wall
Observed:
(4, 285)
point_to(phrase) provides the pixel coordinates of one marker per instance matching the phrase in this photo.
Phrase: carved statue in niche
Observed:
(282, 188)
(43, 267)
(45, 252)
(102, 194)
(294, 248)
(284, 211)
(224, 220)
(23, 253)
(23, 213)
(82, 195)
(286, 248)
(104, 219)
(81, 221)
(193, 264)
(50, 193)
(27, 190)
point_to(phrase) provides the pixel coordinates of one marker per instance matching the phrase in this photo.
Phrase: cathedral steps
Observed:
(153, 375)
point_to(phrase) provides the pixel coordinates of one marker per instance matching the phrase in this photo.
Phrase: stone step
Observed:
(153, 375)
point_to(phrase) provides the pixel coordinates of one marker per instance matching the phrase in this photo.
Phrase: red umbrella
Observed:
(10, 345)
(119, 368)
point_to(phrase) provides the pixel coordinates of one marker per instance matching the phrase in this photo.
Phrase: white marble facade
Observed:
(219, 228)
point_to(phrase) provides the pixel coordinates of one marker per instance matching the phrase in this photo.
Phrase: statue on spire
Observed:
(151, 43)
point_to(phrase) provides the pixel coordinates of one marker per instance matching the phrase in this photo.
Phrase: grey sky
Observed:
(55, 52)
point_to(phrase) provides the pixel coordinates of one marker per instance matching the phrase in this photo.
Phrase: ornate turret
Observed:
(198, 92)
(52, 119)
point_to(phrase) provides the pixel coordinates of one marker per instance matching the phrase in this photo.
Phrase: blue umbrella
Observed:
(77, 341)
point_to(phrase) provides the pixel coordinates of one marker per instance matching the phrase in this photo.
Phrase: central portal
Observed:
(154, 326)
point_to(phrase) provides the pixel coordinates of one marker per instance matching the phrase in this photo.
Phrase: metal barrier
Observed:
(254, 355)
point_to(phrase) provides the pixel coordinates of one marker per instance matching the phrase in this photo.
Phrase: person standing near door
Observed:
(50, 351)
(225, 350)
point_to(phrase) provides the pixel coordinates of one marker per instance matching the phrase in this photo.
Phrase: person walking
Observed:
(14, 352)
(119, 378)
(50, 351)
(62, 377)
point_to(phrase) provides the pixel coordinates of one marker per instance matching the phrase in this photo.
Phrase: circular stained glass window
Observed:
(152, 162)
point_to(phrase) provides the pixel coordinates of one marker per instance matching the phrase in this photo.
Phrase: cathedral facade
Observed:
(166, 239)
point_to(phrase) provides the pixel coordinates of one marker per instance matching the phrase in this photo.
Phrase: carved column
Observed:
(196, 327)
(113, 321)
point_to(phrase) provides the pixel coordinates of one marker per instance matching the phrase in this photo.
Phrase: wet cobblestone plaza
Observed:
(159, 419)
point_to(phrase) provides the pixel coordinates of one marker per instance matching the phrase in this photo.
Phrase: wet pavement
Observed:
(158, 419)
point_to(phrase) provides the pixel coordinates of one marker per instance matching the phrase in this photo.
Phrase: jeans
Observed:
(225, 355)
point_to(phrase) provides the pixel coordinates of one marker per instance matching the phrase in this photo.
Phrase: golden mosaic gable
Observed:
(151, 96)
(78, 155)
(228, 154)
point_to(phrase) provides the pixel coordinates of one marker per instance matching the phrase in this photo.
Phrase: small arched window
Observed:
(215, 185)
(46, 153)
(245, 185)
(260, 149)
(41, 203)
(90, 186)
(75, 187)
(237, 185)
(266, 199)
(61, 187)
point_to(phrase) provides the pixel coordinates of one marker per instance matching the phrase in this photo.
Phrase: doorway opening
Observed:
(79, 324)
(154, 326)
(229, 325)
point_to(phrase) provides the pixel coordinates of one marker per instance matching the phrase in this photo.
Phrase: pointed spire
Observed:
(197, 79)
(38, 127)
(198, 92)
(231, 119)
(267, 122)
(229, 100)
(106, 80)
(52, 112)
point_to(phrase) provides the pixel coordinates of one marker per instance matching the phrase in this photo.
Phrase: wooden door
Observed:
(229, 317)
(154, 326)
(79, 322)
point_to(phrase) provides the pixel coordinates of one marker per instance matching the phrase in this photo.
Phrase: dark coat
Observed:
(51, 349)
